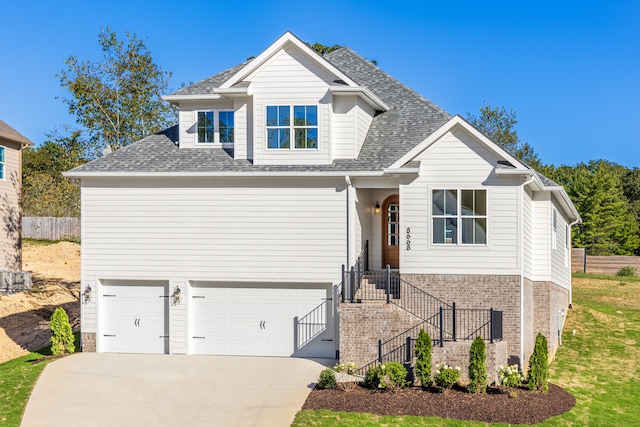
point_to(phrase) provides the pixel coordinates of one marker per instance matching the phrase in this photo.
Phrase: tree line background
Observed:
(116, 101)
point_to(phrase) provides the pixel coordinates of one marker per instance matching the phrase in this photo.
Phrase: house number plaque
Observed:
(408, 239)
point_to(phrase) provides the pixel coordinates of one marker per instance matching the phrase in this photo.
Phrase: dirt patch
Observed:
(497, 406)
(24, 316)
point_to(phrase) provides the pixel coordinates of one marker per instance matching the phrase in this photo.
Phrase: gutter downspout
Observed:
(347, 180)
(577, 221)
(521, 256)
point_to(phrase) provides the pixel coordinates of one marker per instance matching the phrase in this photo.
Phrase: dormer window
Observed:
(299, 133)
(215, 127)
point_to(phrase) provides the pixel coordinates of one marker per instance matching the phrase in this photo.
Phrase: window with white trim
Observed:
(1, 162)
(215, 127)
(459, 217)
(287, 134)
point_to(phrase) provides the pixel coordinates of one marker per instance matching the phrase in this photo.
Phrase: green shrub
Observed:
(627, 271)
(538, 378)
(424, 349)
(62, 340)
(477, 366)
(446, 376)
(386, 376)
(327, 379)
(510, 376)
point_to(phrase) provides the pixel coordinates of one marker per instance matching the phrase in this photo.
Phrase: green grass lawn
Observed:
(599, 364)
(17, 379)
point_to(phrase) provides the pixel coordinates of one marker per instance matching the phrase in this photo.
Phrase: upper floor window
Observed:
(299, 133)
(1, 162)
(215, 127)
(459, 217)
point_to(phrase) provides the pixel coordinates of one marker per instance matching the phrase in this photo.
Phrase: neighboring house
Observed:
(11, 145)
(227, 234)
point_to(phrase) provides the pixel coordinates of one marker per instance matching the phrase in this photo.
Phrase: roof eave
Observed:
(362, 91)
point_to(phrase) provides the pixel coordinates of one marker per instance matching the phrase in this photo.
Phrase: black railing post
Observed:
(454, 320)
(491, 325)
(388, 280)
(352, 282)
(441, 332)
(344, 285)
(380, 351)
(408, 352)
(366, 255)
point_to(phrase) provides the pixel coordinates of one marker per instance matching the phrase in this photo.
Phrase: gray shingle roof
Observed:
(207, 85)
(7, 132)
(410, 119)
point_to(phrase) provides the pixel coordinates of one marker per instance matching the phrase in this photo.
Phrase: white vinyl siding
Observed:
(188, 122)
(541, 237)
(242, 229)
(527, 233)
(474, 166)
(560, 274)
(290, 78)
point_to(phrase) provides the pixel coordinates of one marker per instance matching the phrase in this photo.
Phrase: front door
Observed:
(391, 232)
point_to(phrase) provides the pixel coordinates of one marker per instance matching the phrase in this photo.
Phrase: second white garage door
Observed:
(261, 321)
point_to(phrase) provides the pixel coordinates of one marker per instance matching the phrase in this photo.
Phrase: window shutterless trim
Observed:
(291, 127)
(459, 217)
(216, 128)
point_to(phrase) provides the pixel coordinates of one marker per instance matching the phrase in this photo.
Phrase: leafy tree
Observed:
(323, 49)
(424, 350)
(45, 191)
(118, 98)
(478, 366)
(62, 340)
(499, 125)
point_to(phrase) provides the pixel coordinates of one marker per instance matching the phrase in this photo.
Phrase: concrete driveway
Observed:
(91, 389)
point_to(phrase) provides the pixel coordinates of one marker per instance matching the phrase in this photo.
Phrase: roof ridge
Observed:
(436, 107)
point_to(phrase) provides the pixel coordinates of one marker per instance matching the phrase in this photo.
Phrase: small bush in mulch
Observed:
(496, 406)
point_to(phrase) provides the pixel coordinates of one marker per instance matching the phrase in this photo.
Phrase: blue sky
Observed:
(570, 69)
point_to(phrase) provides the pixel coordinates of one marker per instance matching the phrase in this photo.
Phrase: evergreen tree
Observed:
(478, 366)
(424, 349)
(609, 226)
(538, 378)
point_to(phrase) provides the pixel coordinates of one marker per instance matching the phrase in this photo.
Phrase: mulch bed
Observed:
(496, 406)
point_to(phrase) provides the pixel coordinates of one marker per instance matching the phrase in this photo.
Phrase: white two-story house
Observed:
(228, 233)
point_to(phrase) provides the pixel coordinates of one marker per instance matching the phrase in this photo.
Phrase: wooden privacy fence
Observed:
(601, 264)
(50, 228)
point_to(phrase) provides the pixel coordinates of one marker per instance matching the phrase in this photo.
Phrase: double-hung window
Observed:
(292, 127)
(1, 162)
(459, 217)
(215, 127)
(567, 242)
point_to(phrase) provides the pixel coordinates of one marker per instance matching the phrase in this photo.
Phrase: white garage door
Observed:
(261, 321)
(135, 318)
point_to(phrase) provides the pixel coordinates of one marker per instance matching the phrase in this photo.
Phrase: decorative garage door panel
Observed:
(260, 321)
(135, 318)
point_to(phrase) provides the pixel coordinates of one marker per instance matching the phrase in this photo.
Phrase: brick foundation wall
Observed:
(88, 342)
(457, 354)
(549, 299)
(479, 291)
(362, 325)
(529, 326)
